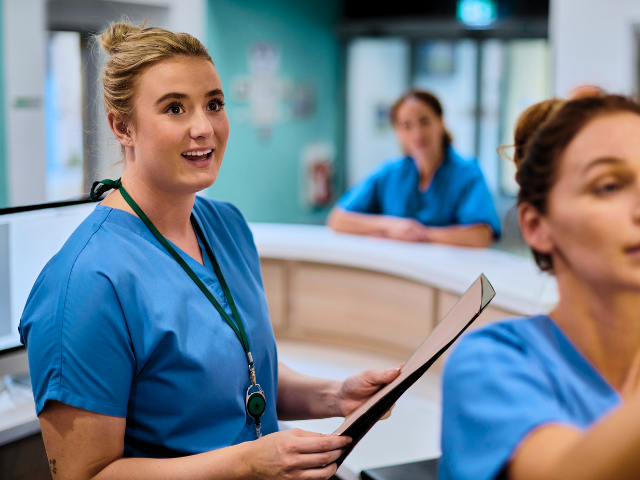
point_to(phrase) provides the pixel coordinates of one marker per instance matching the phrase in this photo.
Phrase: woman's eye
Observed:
(175, 109)
(608, 188)
(611, 187)
(216, 105)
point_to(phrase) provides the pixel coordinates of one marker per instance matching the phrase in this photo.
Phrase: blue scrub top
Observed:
(114, 325)
(503, 381)
(458, 194)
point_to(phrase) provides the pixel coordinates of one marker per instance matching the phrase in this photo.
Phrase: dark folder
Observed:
(463, 313)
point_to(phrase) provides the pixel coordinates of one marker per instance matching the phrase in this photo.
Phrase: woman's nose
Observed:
(417, 134)
(201, 126)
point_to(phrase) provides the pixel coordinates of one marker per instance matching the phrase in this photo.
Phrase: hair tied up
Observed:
(529, 123)
(543, 133)
(131, 50)
(430, 100)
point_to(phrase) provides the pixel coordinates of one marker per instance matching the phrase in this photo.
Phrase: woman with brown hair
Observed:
(431, 194)
(557, 396)
(150, 347)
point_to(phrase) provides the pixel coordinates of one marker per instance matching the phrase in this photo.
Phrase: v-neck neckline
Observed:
(570, 349)
(205, 272)
(433, 177)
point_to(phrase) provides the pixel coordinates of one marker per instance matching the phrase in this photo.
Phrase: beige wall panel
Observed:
(446, 301)
(274, 276)
(359, 308)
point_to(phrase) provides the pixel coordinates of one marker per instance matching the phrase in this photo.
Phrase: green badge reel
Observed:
(256, 404)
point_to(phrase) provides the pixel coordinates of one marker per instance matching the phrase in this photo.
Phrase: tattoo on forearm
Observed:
(52, 466)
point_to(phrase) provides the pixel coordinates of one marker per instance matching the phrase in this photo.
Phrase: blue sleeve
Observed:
(494, 394)
(77, 340)
(364, 196)
(476, 205)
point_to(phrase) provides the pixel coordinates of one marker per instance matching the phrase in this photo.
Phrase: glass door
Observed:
(63, 117)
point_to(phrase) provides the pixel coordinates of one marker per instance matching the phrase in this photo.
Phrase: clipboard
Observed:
(464, 312)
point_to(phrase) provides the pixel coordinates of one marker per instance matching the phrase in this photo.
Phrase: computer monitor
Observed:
(29, 237)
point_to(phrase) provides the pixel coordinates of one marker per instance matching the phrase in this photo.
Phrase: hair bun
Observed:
(118, 33)
(529, 122)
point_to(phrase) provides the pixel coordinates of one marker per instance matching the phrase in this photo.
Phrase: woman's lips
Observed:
(634, 250)
(195, 156)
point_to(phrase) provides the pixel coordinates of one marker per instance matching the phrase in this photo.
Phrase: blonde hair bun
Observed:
(134, 48)
(118, 33)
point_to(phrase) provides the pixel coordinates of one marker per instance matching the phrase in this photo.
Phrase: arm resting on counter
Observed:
(386, 226)
(408, 229)
(479, 235)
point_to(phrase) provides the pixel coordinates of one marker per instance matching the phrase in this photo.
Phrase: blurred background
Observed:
(308, 85)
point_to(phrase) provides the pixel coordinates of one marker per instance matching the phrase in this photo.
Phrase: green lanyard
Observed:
(255, 402)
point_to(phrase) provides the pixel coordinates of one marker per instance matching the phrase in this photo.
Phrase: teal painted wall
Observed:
(4, 183)
(264, 177)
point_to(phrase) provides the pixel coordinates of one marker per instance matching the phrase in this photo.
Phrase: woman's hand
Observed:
(406, 229)
(384, 226)
(358, 388)
(295, 454)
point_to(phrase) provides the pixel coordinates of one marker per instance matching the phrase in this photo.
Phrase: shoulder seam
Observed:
(64, 303)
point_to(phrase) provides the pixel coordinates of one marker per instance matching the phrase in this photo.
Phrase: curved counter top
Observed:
(383, 295)
(520, 286)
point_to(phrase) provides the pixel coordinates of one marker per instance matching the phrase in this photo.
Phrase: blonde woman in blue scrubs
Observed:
(149, 341)
(431, 194)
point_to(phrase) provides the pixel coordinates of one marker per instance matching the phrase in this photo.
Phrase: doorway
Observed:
(80, 146)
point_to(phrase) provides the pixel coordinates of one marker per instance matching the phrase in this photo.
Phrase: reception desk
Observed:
(382, 295)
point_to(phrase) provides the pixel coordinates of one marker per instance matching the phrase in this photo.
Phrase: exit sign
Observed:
(477, 13)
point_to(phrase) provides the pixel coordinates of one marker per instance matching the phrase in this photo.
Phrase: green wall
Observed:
(264, 177)
(4, 183)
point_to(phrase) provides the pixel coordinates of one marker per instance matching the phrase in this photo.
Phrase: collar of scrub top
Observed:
(255, 401)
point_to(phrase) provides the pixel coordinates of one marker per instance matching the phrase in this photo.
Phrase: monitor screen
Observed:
(29, 237)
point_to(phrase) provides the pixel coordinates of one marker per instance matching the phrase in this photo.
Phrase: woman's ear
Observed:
(120, 128)
(535, 228)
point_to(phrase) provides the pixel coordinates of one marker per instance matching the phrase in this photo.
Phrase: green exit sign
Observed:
(477, 13)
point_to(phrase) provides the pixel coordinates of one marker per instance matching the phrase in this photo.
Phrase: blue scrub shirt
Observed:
(503, 381)
(114, 325)
(458, 194)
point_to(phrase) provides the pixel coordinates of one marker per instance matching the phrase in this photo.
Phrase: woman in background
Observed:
(558, 396)
(429, 195)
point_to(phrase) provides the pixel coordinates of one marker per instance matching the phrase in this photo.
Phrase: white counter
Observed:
(519, 284)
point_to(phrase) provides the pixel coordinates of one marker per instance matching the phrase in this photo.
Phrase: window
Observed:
(63, 117)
